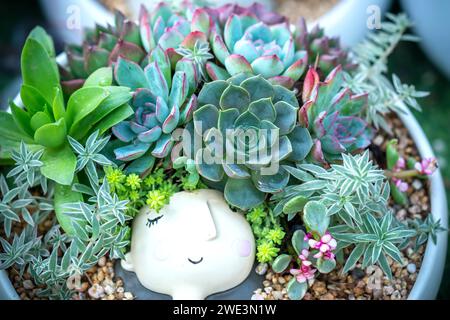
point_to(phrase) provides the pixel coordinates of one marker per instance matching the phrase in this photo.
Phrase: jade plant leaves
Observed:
(281, 263)
(298, 241)
(326, 265)
(315, 217)
(296, 290)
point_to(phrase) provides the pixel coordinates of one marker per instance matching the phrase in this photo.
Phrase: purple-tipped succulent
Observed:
(332, 114)
(221, 14)
(248, 44)
(327, 50)
(162, 102)
(101, 47)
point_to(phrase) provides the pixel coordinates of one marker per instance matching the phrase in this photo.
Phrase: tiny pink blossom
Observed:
(307, 237)
(426, 166)
(401, 185)
(401, 164)
(325, 246)
(305, 272)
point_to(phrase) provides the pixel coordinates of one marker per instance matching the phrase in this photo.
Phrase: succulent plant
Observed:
(255, 122)
(101, 48)
(47, 121)
(221, 14)
(161, 104)
(327, 51)
(177, 35)
(249, 45)
(332, 113)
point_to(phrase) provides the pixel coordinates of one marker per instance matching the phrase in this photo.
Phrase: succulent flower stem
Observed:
(401, 174)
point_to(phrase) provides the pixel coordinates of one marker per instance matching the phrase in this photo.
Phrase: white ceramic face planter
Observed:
(195, 247)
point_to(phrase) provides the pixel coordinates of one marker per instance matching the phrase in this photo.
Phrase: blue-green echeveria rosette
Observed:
(248, 104)
(252, 46)
(333, 115)
(163, 101)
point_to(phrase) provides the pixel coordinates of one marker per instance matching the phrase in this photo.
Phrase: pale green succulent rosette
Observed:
(248, 104)
(249, 45)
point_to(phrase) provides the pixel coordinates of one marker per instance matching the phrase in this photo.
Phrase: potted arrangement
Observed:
(226, 137)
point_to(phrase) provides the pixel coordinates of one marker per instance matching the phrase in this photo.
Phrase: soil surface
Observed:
(309, 9)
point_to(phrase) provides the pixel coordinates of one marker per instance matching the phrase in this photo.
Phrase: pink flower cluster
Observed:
(324, 246)
(426, 167)
(400, 184)
(305, 272)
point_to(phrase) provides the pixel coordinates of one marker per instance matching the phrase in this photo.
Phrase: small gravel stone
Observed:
(96, 292)
(261, 269)
(102, 262)
(128, 296)
(411, 268)
(28, 285)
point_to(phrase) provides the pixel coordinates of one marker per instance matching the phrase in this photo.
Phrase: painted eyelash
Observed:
(152, 222)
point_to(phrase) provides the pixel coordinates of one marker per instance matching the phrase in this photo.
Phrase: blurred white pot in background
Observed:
(347, 19)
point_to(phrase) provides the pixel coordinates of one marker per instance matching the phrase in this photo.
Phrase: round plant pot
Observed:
(431, 24)
(432, 268)
(348, 19)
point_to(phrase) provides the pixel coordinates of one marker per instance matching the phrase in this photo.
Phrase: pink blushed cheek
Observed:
(243, 248)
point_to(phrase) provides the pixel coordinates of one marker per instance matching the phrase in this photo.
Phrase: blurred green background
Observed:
(408, 61)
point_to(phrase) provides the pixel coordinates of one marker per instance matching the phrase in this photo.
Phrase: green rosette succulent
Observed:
(47, 120)
(333, 115)
(249, 45)
(163, 101)
(249, 126)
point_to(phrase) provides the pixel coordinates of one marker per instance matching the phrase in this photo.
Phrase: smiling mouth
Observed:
(195, 262)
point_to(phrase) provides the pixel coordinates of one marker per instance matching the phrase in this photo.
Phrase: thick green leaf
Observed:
(39, 69)
(399, 197)
(211, 93)
(59, 165)
(32, 99)
(281, 263)
(103, 77)
(44, 39)
(130, 74)
(58, 107)
(315, 217)
(326, 265)
(392, 155)
(83, 102)
(270, 183)
(235, 97)
(52, 135)
(118, 115)
(302, 144)
(21, 118)
(298, 241)
(39, 119)
(119, 97)
(9, 129)
(295, 205)
(241, 193)
(63, 196)
(296, 290)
